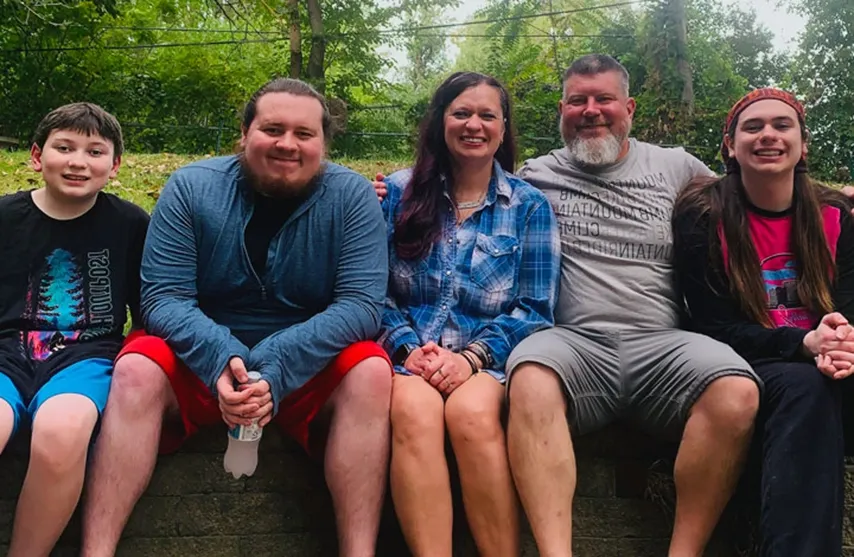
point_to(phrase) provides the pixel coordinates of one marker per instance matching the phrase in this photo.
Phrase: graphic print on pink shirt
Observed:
(780, 274)
(772, 237)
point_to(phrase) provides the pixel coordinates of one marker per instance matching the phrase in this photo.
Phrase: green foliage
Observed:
(528, 55)
(188, 99)
(426, 50)
(728, 50)
(752, 50)
(25, 72)
(167, 98)
(661, 115)
(823, 74)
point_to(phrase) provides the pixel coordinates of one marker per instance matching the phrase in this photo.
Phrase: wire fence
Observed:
(361, 137)
(224, 138)
(270, 35)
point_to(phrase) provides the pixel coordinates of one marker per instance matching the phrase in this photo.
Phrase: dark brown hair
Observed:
(418, 226)
(86, 118)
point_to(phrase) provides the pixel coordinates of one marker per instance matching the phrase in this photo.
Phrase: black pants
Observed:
(799, 441)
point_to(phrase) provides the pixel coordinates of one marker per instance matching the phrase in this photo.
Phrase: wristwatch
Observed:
(400, 355)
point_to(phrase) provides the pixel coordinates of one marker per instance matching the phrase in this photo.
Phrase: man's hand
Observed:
(447, 371)
(381, 189)
(235, 404)
(261, 396)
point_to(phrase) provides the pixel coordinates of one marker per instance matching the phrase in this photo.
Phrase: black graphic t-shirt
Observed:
(65, 286)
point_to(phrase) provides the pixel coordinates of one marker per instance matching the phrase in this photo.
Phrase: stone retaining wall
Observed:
(193, 508)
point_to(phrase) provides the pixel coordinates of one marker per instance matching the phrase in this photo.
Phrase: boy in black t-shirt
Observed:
(70, 272)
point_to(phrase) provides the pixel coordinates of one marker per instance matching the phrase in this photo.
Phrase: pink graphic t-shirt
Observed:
(772, 237)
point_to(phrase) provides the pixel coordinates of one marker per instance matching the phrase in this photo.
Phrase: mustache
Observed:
(276, 187)
(593, 122)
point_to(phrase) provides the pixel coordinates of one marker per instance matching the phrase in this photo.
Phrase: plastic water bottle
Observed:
(241, 456)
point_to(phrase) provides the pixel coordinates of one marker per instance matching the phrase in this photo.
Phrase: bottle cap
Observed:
(254, 376)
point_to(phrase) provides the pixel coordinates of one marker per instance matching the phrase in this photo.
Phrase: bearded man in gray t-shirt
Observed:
(616, 351)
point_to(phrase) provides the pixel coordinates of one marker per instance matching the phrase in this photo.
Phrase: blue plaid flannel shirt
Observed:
(492, 280)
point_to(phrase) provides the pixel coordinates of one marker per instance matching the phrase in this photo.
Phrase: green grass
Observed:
(142, 176)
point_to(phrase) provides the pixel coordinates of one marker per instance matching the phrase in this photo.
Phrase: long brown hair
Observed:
(725, 203)
(418, 225)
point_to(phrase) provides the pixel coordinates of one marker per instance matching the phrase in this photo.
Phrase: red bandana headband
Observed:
(750, 98)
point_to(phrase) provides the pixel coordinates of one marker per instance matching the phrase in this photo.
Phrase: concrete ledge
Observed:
(193, 508)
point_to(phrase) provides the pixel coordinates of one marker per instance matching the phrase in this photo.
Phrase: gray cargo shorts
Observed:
(650, 377)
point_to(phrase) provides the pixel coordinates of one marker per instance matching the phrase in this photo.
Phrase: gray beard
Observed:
(595, 152)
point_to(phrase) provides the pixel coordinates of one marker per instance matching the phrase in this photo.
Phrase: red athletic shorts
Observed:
(199, 408)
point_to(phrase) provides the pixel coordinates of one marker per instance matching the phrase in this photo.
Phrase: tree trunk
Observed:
(683, 65)
(316, 71)
(295, 39)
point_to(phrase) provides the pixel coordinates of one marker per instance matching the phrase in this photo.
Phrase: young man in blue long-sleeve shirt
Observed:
(273, 260)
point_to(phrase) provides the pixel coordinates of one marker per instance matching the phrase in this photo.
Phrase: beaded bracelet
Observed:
(480, 352)
(470, 359)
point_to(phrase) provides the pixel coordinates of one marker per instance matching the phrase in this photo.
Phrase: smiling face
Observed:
(474, 124)
(596, 117)
(283, 147)
(768, 138)
(75, 166)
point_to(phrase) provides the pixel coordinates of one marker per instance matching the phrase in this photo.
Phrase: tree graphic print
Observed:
(59, 305)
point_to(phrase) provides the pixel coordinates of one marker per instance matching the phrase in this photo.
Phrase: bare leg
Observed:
(420, 485)
(126, 451)
(357, 451)
(541, 456)
(7, 422)
(62, 429)
(473, 417)
(711, 455)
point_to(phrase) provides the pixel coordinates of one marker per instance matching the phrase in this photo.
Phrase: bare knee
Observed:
(536, 391)
(139, 385)
(61, 435)
(730, 402)
(7, 423)
(368, 383)
(474, 417)
(416, 413)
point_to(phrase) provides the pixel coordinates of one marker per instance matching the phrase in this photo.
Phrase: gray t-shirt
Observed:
(616, 241)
